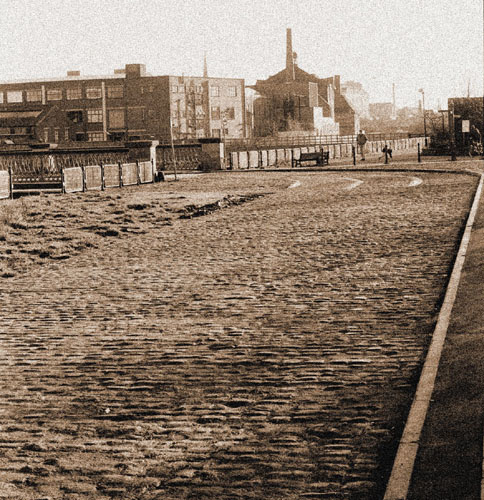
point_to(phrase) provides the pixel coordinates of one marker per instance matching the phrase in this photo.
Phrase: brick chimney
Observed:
(290, 73)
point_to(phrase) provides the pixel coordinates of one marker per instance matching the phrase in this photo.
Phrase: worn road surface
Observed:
(264, 351)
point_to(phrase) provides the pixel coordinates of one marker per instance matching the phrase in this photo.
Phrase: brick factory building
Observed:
(129, 104)
(294, 100)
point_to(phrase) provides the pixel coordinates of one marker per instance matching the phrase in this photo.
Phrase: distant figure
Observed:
(386, 149)
(361, 140)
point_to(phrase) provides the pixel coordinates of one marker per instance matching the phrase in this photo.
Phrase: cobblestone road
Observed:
(268, 350)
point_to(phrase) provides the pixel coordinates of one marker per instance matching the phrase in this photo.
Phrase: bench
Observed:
(320, 157)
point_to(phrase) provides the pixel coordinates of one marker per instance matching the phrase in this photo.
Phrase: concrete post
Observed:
(214, 148)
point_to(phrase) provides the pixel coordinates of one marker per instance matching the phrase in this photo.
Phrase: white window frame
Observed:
(54, 94)
(95, 115)
(74, 93)
(93, 93)
(14, 96)
(115, 92)
(33, 95)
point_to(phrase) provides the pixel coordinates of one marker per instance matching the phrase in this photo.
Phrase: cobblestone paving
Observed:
(264, 351)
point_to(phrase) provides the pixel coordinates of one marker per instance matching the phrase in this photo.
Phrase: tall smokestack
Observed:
(394, 103)
(290, 75)
(205, 70)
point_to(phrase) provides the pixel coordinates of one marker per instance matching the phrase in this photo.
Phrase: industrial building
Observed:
(126, 105)
(294, 101)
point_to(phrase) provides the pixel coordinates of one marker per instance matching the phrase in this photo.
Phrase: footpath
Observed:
(449, 462)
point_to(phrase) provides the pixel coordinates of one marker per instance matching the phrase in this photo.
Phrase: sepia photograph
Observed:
(241, 250)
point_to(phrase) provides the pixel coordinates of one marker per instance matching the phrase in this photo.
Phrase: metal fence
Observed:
(303, 140)
(46, 166)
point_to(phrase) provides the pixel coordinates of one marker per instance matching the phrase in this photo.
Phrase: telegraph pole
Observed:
(482, 125)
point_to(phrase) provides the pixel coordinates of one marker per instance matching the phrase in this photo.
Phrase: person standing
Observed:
(361, 140)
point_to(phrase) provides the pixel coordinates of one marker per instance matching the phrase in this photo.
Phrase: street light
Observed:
(423, 110)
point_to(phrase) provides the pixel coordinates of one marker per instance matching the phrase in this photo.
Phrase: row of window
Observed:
(35, 95)
(227, 114)
(56, 135)
(116, 117)
(198, 89)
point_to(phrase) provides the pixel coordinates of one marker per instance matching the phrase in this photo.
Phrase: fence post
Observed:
(83, 170)
(138, 176)
(103, 186)
(120, 174)
(10, 180)
(353, 154)
(418, 153)
(63, 180)
(386, 155)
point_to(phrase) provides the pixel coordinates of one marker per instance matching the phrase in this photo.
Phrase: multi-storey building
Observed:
(129, 104)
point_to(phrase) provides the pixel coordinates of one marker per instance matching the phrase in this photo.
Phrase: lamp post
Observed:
(423, 110)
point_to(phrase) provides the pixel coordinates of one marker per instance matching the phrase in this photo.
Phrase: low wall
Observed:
(261, 158)
(100, 177)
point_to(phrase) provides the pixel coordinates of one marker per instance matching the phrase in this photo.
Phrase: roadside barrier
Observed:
(6, 187)
(100, 177)
(270, 157)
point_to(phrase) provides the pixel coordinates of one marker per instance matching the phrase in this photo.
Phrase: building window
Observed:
(215, 91)
(215, 132)
(14, 96)
(75, 116)
(46, 134)
(1, 97)
(174, 89)
(151, 88)
(232, 91)
(93, 93)
(116, 118)
(199, 89)
(34, 95)
(54, 94)
(215, 112)
(95, 136)
(75, 93)
(56, 135)
(95, 115)
(116, 92)
(229, 114)
(66, 134)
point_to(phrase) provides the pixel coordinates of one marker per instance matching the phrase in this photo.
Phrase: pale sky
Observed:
(436, 45)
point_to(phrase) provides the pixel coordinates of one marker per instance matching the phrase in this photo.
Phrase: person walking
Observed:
(361, 140)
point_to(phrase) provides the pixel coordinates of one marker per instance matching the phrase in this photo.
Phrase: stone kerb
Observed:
(72, 179)
(5, 184)
(271, 157)
(145, 169)
(129, 172)
(234, 160)
(264, 158)
(111, 175)
(243, 159)
(280, 156)
(93, 178)
(253, 159)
